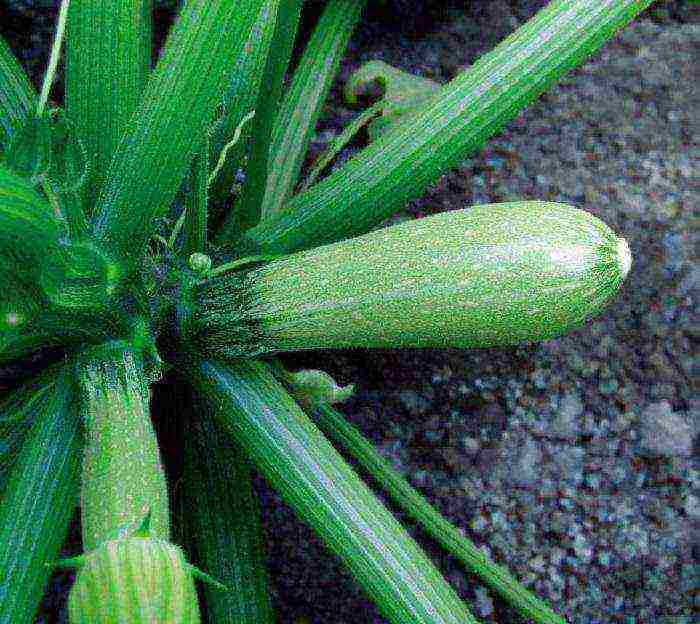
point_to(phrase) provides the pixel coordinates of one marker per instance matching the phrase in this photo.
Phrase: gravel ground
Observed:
(573, 462)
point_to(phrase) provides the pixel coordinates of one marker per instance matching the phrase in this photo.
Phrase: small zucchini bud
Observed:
(134, 581)
(490, 275)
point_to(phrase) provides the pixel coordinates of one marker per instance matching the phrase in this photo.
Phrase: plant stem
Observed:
(459, 119)
(294, 456)
(222, 519)
(155, 153)
(17, 95)
(417, 507)
(248, 210)
(303, 102)
(196, 204)
(53, 58)
(108, 60)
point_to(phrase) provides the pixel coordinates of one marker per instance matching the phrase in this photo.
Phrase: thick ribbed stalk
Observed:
(441, 530)
(298, 461)
(490, 275)
(461, 117)
(239, 101)
(18, 410)
(178, 106)
(38, 503)
(17, 96)
(223, 521)
(123, 479)
(303, 102)
(196, 204)
(248, 210)
(108, 59)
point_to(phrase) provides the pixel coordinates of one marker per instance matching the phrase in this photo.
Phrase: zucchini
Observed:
(496, 274)
(134, 581)
(123, 478)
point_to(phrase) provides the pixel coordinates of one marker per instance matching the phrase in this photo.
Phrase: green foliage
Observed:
(122, 257)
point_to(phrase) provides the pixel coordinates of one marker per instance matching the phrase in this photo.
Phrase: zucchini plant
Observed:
(156, 229)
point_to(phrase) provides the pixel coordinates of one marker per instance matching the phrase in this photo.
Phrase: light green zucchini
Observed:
(491, 275)
(123, 478)
(134, 581)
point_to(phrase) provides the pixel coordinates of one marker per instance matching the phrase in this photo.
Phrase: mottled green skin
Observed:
(490, 275)
(123, 478)
(134, 581)
(497, 274)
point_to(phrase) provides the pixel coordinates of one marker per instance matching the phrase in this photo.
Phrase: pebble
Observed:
(665, 432)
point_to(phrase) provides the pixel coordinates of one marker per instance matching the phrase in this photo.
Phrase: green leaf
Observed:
(297, 460)
(17, 96)
(223, 519)
(490, 275)
(38, 502)
(311, 388)
(123, 478)
(403, 93)
(108, 59)
(28, 152)
(458, 120)
(28, 226)
(178, 106)
(441, 530)
(69, 174)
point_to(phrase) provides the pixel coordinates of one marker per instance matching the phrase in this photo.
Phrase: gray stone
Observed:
(665, 432)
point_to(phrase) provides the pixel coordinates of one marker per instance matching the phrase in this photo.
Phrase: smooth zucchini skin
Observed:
(496, 274)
